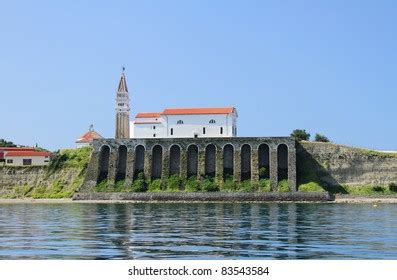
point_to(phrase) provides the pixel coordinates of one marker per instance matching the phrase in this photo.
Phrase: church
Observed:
(172, 123)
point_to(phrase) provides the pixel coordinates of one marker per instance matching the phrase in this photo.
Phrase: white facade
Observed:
(26, 160)
(189, 123)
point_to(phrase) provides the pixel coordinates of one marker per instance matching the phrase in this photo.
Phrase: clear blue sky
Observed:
(326, 66)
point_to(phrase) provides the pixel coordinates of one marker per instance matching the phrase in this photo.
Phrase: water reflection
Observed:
(199, 231)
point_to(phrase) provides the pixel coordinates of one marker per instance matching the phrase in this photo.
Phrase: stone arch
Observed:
(104, 155)
(245, 162)
(228, 161)
(192, 161)
(175, 160)
(139, 160)
(264, 161)
(282, 162)
(157, 161)
(210, 160)
(121, 163)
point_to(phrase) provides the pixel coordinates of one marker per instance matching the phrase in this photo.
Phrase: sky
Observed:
(325, 66)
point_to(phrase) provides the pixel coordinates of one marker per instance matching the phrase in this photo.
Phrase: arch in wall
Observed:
(157, 162)
(263, 161)
(192, 161)
(210, 160)
(121, 163)
(228, 161)
(282, 160)
(139, 160)
(175, 160)
(104, 155)
(245, 162)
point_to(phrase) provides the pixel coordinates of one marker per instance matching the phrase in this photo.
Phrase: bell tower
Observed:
(122, 109)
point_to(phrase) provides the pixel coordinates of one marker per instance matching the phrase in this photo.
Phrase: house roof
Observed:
(17, 149)
(147, 115)
(26, 154)
(189, 111)
(88, 137)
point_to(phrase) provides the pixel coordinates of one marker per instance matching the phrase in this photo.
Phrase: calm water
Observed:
(199, 231)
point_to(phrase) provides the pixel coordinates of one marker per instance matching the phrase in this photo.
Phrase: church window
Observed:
(180, 122)
(154, 127)
(212, 121)
(221, 130)
(154, 135)
(203, 130)
(172, 131)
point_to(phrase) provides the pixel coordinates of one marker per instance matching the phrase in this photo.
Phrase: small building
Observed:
(186, 123)
(24, 156)
(86, 139)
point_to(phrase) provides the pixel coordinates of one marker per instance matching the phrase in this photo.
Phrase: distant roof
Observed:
(199, 111)
(17, 149)
(88, 137)
(148, 115)
(189, 111)
(26, 154)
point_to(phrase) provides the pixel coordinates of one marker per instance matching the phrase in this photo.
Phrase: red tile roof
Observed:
(199, 111)
(26, 154)
(88, 137)
(148, 115)
(17, 149)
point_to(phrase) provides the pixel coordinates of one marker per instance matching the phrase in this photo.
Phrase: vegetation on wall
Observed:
(321, 138)
(300, 135)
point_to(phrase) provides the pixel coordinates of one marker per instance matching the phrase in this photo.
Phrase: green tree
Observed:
(321, 138)
(4, 143)
(300, 135)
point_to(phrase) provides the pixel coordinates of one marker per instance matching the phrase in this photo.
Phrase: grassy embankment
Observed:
(58, 180)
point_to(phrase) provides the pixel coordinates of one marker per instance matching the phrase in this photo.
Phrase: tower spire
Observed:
(122, 109)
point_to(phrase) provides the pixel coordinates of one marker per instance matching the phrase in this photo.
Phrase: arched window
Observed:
(180, 122)
(212, 121)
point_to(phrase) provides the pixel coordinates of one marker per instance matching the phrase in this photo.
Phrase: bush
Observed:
(378, 189)
(283, 186)
(300, 135)
(102, 186)
(174, 183)
(263, 172)
(192, 185)
(155, 186)
(310, 187)
(321, 138)
(229, 185)
(264, 185)
(208, 185)
(119, 186)
(139, 185)
(245, 186)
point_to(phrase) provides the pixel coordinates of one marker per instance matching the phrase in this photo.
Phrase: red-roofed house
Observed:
(186, 123)
(24, 156)
(87, 138)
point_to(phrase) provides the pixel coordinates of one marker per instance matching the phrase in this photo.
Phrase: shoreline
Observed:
(338, 200)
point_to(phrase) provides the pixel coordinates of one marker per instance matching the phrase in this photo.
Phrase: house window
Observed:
(46, 160)
(172, 131)
(10, 161)
(221, 130)
(180, 122)
(27, 161)
(203, 130)
(212, 121)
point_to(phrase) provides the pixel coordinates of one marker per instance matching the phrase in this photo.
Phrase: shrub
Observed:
(174, 183)
(208, 185)
(245, 186)
(321, 138)
(300, 135)
(139, 185)
(229, 185)
(102, 186)
(119, 186)
(192, 185)
(263, 172)
(283, 186)
(154, 186)
(264, 185)
(378, 189)
(310, 187)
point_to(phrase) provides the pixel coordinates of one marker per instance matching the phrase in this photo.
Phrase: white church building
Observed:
(186, 123)
(172, 123)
